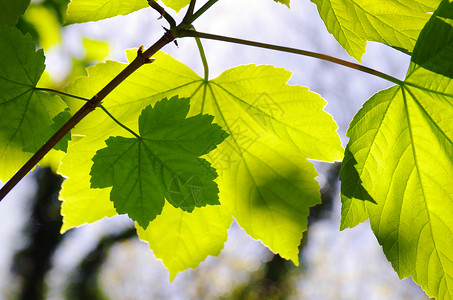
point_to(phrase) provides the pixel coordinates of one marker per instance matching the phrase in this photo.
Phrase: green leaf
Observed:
(394, 23)
(80, 11)
(163, 162)
(264, 179)
(10, 11)
(402, 141)
(434, 49)
(198, 234)
(26, 114)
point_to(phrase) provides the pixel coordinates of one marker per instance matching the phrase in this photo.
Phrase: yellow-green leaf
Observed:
(394, 23)
(401, 149)
(80, 11)
(182, 240)
(402, 141)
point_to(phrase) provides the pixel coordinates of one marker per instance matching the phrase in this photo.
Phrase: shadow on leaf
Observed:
(351, 184)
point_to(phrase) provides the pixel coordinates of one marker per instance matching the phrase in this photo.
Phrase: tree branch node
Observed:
(144, 58)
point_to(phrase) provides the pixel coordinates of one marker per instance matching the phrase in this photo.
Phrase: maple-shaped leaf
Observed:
(401, 147)
(10, 11)
(394, 23)
(80, 11)
(264, 179)
(163, 162)
(27, 115)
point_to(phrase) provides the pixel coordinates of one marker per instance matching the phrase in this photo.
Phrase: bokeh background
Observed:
(105, 260)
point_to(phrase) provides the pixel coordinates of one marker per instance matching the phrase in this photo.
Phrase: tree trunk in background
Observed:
(43, 232)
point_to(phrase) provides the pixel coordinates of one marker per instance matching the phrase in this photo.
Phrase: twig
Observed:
(192, 33)
(162, 12)
(189, 14)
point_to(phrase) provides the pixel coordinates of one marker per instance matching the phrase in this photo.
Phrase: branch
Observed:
(141, 59)
(197, 34)
(189, 14)
(162, 12)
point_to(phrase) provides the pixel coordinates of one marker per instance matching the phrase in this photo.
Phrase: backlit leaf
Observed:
(80, 11)
(199, 234)
(402, 143)
(27, 115)
(394, 23)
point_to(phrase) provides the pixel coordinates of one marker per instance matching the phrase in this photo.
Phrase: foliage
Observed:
(27, 115)
(252, 162)
(11, 10)
(161, 163)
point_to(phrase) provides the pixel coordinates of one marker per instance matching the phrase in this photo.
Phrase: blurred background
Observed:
(105, 260)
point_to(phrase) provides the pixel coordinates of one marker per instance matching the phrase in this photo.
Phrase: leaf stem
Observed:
(192, 33)
(141, 59)
(118, 122)
(203, 59)
(100, 105)
(62, 93)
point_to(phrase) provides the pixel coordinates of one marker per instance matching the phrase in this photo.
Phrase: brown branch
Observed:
(141, 59)
(162, 12)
